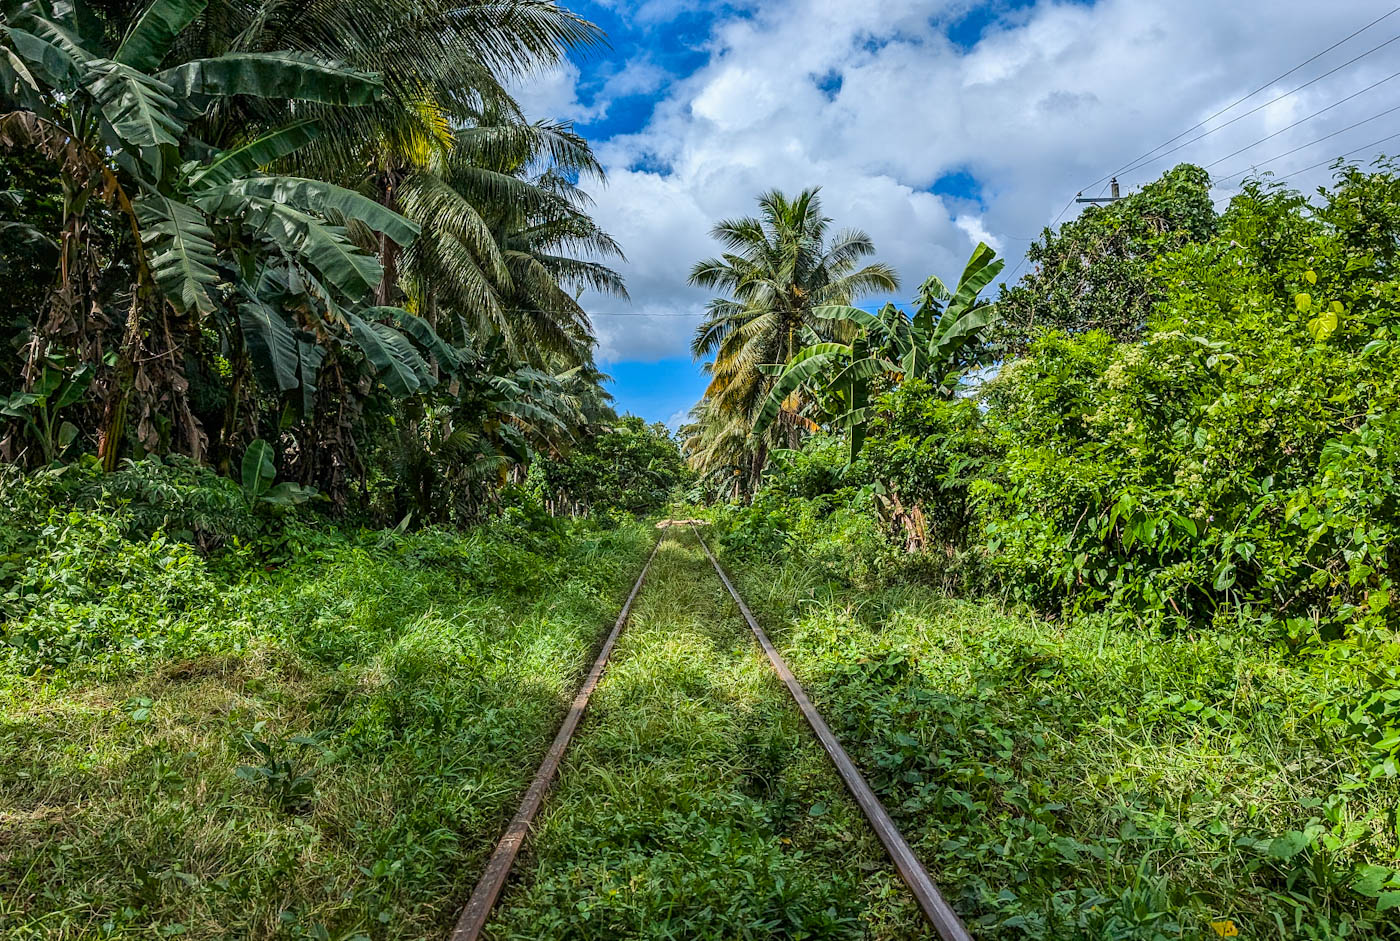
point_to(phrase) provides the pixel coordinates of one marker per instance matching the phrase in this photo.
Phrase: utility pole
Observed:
(1081, 198)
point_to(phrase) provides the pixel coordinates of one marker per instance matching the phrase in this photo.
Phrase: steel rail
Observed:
(939, 913)
(483, 898)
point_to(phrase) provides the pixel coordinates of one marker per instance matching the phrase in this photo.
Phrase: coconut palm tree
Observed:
(940, 343)
(507, 242)
(776, 270)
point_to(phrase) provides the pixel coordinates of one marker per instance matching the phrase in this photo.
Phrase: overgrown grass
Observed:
(694, 802)
(325, 750)
(1087, 781)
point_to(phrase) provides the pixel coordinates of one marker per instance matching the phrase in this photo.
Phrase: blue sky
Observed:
(931, 124)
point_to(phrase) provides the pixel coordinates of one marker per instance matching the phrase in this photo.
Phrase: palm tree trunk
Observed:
(387, 292)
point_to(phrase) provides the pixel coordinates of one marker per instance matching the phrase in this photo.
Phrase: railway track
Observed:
(477, 912)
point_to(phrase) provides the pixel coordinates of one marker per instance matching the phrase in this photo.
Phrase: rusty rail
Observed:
(939, 913)
(488, 889)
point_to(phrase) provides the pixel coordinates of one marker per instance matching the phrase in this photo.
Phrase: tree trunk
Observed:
(387, 293)
(114, 411)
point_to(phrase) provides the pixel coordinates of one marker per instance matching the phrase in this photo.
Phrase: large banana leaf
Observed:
(808, 364)
(309, 356)
(54, 63)
(295, 75)
(59, 34)
(981, 268)
(258, 469)
(957, 334)
(315, 196)
(398, 364)
(180, 251)
(250, 156)
(17, 82)
(962, 321)
(154, 32)
(325, 248)
(272, 346)
(137, 107)
(422, 332)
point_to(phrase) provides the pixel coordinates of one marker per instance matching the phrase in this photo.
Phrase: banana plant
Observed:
(258, 473)
(56, 389)
(268, 257)
(934, 344)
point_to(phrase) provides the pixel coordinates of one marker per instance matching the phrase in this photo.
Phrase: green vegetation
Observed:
(1092, 781)
(313, 508)
(330, 229)
(309, 733)
(1181, 702)
(778, 270)
(633, 467)
(939, 344)
(695, 802)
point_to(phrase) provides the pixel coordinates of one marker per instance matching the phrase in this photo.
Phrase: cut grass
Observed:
(324, 752)
(1088, 781)
(694, 801)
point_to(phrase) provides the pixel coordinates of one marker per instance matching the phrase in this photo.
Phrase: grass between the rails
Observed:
(1089, 781)
(694, 801)
(203, 748)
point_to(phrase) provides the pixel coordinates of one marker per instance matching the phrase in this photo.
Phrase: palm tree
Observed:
(940, 343)
(776, 270)
(504, 222)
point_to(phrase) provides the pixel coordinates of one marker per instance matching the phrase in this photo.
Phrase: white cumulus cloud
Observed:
(874, 103)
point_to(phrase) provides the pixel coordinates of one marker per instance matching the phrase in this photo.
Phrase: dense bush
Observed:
(1235, 463)
(1097, 272)
(1240, 458)
(633, 467)
(107, 571)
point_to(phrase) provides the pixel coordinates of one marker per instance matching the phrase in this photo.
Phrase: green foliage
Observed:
(309, 733)
(56, 388)
(259, 471)
(1085, 780)
(283, 776)
(1233, 465)
(938, 344)
(82, 593)
(1097, 272)
(778, 271)
(796, 517)
(1236, 462)
(235, 204)
(632, 466)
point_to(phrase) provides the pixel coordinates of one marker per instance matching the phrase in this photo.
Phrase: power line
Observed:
(1239, 101)
(1022, 263)
(1306, 119)
(1322, 163)
(1220, 127)
(1288, 153)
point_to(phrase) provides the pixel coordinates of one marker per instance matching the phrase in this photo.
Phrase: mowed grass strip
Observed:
(694, 801)
(325, 752)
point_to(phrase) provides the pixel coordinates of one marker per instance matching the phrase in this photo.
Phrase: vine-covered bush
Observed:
(1097, 271)
(1235, 463)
